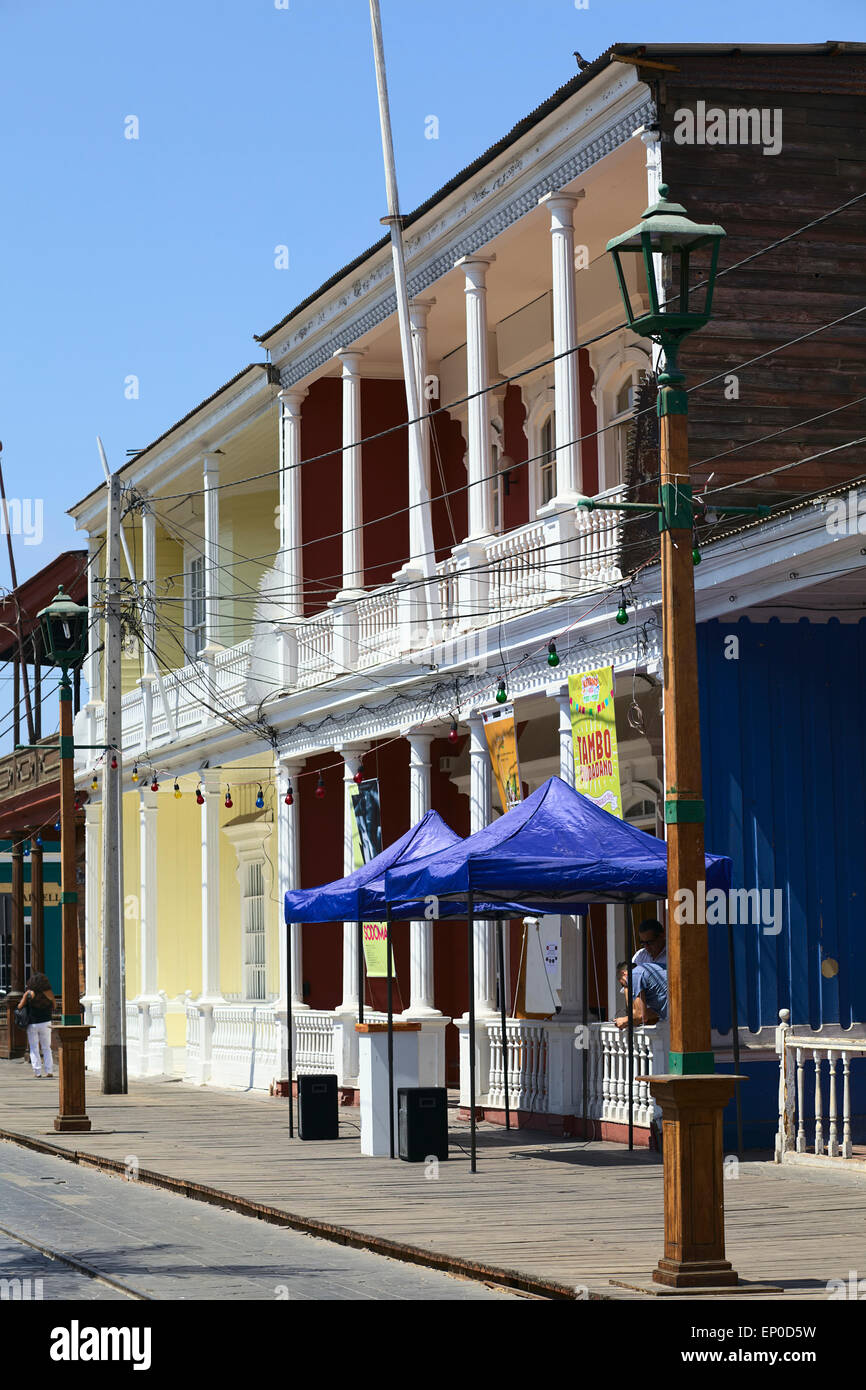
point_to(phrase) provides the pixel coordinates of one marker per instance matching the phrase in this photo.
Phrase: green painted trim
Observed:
(671, 401)
(69, 897)
(70, 1020)
(691, 1063)
(67, 746)
(677, 511)
(682, 812)
(65, 686)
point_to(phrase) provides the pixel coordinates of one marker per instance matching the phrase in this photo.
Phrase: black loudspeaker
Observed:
(422, 1123)
(318, 1114)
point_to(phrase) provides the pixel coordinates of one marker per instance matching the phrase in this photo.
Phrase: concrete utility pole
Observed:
(113, 1001)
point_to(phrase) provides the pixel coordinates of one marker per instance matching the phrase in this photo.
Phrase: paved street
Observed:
(162, 1246)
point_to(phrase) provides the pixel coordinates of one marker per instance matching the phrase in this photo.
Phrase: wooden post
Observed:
(37, 910)
(71, 1035)
(691, 1096)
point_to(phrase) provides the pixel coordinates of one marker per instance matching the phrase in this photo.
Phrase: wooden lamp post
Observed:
(691, 1095)
(64, 627)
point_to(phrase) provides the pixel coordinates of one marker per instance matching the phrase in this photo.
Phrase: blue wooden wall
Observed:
(783, 735)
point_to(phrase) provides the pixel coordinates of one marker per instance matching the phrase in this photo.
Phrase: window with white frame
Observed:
(195, 607)
(547, 460)
(623, 407)
(254, 929)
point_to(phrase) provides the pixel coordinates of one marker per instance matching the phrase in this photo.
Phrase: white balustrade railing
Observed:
(526, 1055)
(244, 1046)
(518, 568)
(316, 649)
(607, 1060)
(524, 569)
(314, 1041)
(378, 626)
(814, 1076)
(599, 540)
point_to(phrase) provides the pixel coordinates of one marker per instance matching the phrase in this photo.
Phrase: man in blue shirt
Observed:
(649, 991)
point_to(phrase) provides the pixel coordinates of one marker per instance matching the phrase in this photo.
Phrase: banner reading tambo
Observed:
(593, 729)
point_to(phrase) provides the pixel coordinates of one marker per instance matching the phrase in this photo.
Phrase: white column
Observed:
(288, 879)
(210, 888)
(565, 382)
(210, 484)
(351, 756)
(478, 379)
(291, 552)
(566, 737)
(480, 789)
(92, 671)
(421, 934)
(651, 140)
(353, 511)
(148, 918)
(419, 310)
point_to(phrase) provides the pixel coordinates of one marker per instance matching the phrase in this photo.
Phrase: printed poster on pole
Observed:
(593, 728)
(501, 734)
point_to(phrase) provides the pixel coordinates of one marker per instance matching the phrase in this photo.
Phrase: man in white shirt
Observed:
(653, 944)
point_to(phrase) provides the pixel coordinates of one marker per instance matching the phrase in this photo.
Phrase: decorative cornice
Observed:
(473, 238)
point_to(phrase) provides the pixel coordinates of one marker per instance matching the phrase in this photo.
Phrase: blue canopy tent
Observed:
(553, 853)
(358, 897)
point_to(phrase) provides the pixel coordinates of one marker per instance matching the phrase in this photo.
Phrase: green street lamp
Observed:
(64, 630)
(665, 229)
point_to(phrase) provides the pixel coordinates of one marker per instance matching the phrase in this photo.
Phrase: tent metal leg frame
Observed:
(390, 1032)
(360, 949)
(500, 948)
(735, 1036)
(291, 1028)
(584, 985)
(630, 1003)
(470, 924)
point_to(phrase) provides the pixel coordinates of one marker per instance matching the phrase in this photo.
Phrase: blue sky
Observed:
(258, 126)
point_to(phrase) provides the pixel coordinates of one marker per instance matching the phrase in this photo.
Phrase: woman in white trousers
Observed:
(40, 999)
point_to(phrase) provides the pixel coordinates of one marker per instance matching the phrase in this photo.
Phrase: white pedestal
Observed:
(373, 1079)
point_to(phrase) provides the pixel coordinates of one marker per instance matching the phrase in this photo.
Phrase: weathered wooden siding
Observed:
(812, 279)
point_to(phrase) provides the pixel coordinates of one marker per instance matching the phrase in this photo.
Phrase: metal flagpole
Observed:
(421, 551)
(390, 1032)
(502, 1012)
(291, 1026)
(584, 973)
(470, 923)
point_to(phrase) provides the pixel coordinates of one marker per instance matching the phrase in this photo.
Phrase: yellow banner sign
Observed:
(501, 733)
(593, 728)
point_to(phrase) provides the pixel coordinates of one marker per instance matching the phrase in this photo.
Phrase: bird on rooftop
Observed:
(581, 61)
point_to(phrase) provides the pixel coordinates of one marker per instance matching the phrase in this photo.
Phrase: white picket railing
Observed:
(814, 1069)
(314, 1041)
(607, 1059)
(518, 568)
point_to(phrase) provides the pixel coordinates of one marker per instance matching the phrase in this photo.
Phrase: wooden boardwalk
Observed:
(574, 1213)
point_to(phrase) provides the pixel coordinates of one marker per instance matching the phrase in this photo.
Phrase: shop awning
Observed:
(554, 852)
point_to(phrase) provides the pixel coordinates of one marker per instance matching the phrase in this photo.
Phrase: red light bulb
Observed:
(198, 796)
(229, 802)
(359, 776)
(113, 763)
(320, 787)
(453, 735)
(290, 796)
(154, 786)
